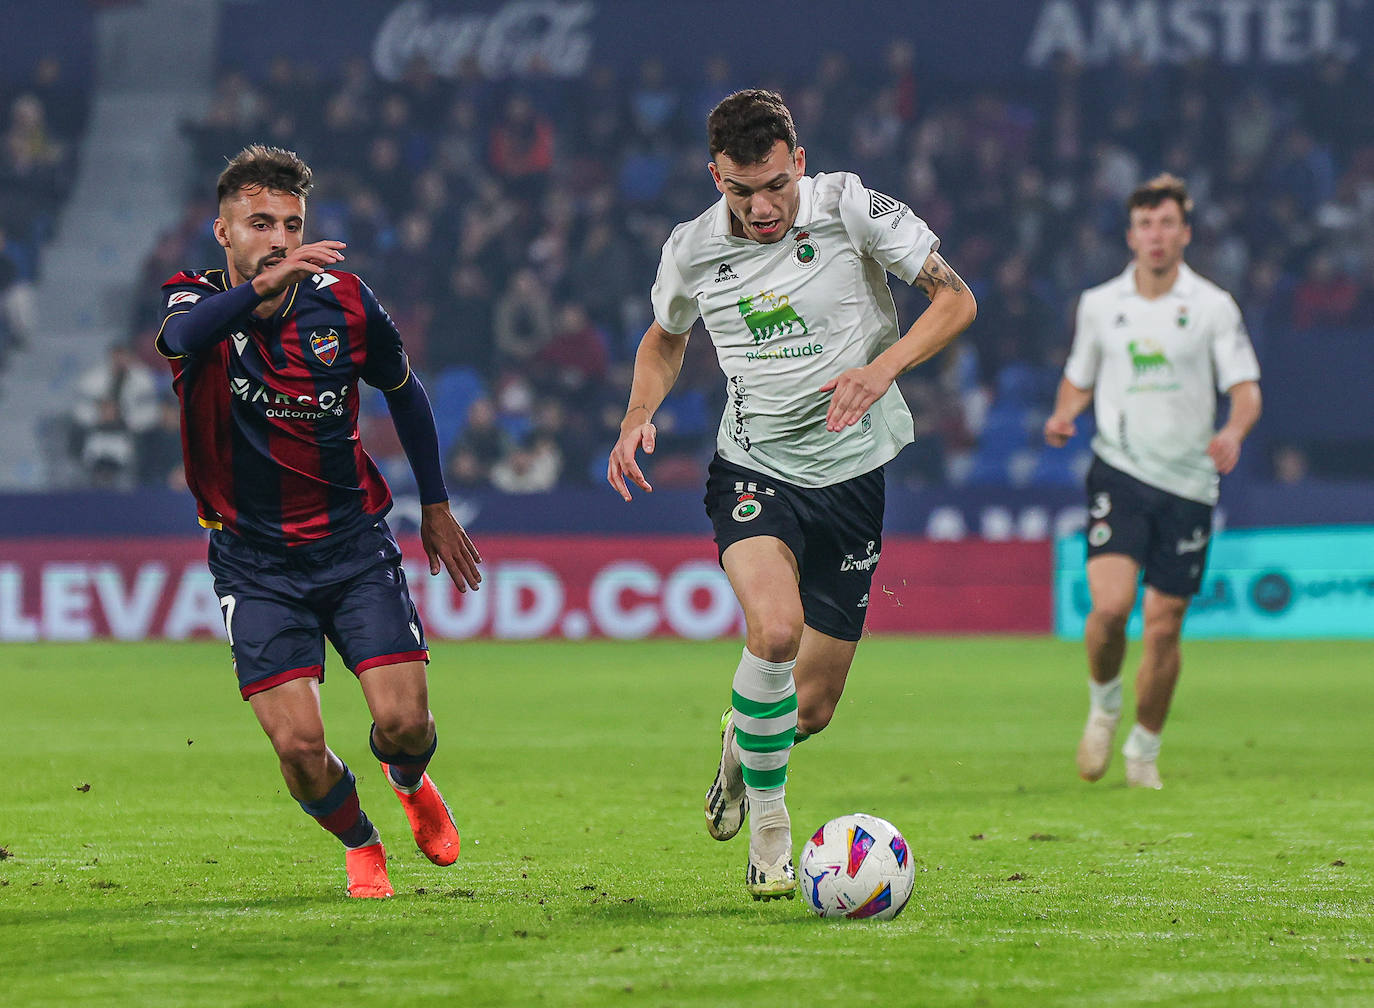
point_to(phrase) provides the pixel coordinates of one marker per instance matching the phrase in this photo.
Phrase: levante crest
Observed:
(325, 343)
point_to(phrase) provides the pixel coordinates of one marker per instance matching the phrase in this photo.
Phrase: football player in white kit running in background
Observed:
(789, 276)
(1149, 346)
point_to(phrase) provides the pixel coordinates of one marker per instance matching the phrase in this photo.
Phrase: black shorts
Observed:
(1166, 534)
(278, 609)
(835, 532)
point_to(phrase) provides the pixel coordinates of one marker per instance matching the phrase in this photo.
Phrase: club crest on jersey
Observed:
(747, 509)
(807, 253)
(325, 343)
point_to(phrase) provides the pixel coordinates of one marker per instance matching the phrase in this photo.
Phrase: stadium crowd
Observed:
(513, 230)
(44, 119)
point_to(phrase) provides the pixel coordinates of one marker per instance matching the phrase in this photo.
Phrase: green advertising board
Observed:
(1296, 582)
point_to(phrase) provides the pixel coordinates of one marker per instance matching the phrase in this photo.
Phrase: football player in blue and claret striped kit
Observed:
(266, 355)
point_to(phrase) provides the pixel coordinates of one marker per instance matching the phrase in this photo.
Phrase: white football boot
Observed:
(726, 805)
(1095, 747)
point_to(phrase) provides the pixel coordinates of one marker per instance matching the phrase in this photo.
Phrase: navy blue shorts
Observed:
(1165, 534)
(278, 609)
(835, 532)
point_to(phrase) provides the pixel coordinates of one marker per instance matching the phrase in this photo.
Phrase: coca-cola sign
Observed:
(514, 40)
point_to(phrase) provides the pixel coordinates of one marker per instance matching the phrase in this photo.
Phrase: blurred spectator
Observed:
(480, 446)
(159, 450)
(530, 467)
(1325, 297)
(522, 145)
(16, 302)
(1013, 323)
(113, 403)
(577, 356)
(31, 171)
(1290, 464)
(523, 322)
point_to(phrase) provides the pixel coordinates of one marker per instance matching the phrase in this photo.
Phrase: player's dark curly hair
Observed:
(1158, 189)
(260, 166)
(747, 125)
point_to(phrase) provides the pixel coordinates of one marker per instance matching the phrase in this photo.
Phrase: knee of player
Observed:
(303, 750)
(405, 729)
(1162, 630)
(1111, 616)
(775, 639)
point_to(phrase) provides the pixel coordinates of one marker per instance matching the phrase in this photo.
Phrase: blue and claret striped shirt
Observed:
(269, 409)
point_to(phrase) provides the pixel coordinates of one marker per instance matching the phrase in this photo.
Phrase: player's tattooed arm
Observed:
(936, 275)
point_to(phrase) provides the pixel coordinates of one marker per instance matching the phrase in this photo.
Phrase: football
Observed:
(857, 866)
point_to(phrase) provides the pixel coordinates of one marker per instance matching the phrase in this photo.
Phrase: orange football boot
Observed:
(430, 820)
(366, 869)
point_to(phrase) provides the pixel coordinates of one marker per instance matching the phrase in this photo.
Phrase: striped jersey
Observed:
(269, 413)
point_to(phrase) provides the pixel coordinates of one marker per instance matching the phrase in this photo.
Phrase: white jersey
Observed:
(1152, 366)
(789, 316)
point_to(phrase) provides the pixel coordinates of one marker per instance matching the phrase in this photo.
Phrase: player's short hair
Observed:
(1158, 189)
(748, 124)
(260, 166)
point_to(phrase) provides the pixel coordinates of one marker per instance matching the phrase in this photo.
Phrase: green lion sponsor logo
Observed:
(1152, 368)
(1147, 358)
(776, 318)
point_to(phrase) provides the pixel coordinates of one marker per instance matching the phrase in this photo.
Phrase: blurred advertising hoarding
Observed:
(1264, 583)
(572, 587)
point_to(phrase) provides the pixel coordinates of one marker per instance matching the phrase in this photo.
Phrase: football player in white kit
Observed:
(1152, 348)
(788, 272)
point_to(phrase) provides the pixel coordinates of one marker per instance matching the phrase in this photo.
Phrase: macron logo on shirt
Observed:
(323, 280)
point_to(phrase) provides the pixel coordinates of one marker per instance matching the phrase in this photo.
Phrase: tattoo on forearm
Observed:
(936, 274)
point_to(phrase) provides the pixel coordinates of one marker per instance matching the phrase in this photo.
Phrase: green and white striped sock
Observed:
(765, 705)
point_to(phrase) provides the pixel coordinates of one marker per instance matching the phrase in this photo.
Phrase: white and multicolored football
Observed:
(857, 866)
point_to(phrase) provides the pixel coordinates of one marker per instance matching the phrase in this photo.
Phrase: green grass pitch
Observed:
(151, 856)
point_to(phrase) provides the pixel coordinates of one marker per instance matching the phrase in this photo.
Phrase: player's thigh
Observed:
(1113, 581)
(843, 526)
(274, 634)
(290, 716)
(372, 620)
(1181, 534)
(397, 695)
(763, 573)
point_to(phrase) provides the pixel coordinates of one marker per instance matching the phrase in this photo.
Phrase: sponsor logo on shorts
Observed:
(865, 563)
(1196, 543)
(863, 602)
(1099, 533)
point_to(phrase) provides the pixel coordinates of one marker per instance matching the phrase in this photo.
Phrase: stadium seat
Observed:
(450, 396)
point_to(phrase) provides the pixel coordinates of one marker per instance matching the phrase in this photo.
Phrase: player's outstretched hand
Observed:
(1058, 431)
(853, 392)
(622, 463)
(448, 547)
(297, 265)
